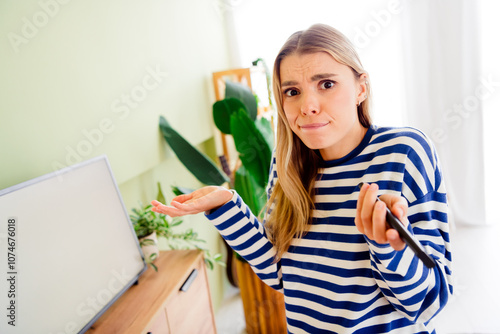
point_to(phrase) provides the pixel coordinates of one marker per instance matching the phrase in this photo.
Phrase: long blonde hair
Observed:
(292, 199)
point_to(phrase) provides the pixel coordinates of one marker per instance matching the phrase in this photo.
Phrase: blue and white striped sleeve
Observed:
(247, 236)
(416, 291)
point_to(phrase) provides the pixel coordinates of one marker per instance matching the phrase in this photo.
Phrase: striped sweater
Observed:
(335, 279)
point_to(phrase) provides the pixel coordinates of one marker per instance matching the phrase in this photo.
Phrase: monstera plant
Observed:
(236, 115)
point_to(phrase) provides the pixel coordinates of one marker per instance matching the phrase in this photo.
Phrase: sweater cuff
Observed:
(217, 212)
(395, 261)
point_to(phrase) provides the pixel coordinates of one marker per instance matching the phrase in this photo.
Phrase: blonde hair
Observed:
(297, 166)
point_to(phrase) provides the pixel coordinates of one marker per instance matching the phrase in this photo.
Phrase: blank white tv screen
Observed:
(67, 250)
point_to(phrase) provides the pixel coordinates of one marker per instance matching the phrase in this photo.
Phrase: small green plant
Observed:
(146, 222)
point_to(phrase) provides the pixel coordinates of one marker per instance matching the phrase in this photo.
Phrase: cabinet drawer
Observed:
(188, 310)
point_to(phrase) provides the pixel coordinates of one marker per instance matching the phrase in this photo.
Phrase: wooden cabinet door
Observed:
(189, 311)
(160, 324)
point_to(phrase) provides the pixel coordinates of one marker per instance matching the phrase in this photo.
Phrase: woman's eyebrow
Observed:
(289, 83)
(315, 77)
(321, 76)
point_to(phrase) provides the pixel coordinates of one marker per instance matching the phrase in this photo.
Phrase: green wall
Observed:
(85, 78)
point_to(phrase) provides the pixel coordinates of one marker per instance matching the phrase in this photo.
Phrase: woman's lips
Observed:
(313, 126)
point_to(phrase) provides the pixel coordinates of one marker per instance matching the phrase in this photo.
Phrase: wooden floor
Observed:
(475, 306)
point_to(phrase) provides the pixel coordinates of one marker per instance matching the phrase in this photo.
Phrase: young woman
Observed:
(324, 242)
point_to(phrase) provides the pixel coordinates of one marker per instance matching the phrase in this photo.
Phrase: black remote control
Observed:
(408, 238)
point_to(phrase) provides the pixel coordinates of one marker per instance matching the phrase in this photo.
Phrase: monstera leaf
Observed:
(237, 97)
(253, 149)
(245, 95)
(222, 111)
(252, 193)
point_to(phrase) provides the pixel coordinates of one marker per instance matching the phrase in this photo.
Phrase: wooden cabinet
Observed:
(176, 299)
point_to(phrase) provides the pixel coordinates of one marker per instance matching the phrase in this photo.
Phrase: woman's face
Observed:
(319, 99)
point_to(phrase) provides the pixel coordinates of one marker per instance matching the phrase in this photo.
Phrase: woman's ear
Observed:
(362, 88)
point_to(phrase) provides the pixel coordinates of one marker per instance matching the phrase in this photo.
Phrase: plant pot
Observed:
(149, 246)
(263, 306)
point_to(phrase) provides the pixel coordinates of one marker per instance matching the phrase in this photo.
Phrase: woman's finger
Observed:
(359, 205)
(379, 223)
(395, 240)
(398, 206)
(166, 210)
(367, 209)
(188, 208)
(183, 198)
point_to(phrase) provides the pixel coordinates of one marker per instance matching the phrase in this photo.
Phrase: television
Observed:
(68, 250)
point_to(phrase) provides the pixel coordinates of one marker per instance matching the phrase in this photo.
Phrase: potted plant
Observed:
(149, 226)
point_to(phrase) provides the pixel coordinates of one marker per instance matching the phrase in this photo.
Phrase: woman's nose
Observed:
(309, 105)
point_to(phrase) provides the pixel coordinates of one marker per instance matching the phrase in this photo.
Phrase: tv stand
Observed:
(158, 305)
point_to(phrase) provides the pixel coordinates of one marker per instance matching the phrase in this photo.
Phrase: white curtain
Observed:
(444, 94)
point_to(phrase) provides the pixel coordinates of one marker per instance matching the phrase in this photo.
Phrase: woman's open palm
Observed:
(201, 200)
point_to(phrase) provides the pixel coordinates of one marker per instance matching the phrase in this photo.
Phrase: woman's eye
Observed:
(327, 84)
(291, 92)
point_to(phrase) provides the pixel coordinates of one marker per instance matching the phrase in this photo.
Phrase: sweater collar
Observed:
(366, 139)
